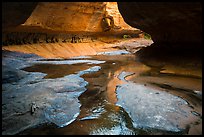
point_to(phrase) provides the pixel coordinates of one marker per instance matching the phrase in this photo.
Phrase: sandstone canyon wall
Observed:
(75, 16)
(64, 29)
(167, 22)
(172, 24)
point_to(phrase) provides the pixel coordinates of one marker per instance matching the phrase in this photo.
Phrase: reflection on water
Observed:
(99, 115)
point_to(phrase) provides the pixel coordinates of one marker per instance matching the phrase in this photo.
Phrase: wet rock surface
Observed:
(155, 109)
(99, 95)
(29, 100)
(118, 52)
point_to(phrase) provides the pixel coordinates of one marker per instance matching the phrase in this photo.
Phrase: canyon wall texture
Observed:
(75, 16)
(41, 22)
(68, 16)
(168, 23)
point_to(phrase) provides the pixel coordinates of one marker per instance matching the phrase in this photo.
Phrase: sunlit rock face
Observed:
(61, 16)
(68, 16)
(65, 22)
(166, 22)
(75, 16)
(112, 10)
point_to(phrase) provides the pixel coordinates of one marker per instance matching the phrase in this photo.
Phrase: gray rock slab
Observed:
(90, 70)
(117, 52)
(151, 108)
(29, 100)
(70, 62)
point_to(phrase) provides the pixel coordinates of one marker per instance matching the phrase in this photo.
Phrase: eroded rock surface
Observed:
(29, 100)
(118, 52)
(154, 109)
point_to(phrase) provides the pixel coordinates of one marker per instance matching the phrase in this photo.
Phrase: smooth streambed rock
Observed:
(70, 62)
(56, 100)
(124, 74)
(90, 70)
(117, 52)
(153, 109)
(28, 100)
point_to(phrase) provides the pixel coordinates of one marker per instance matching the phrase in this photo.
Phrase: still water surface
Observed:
(99, 112)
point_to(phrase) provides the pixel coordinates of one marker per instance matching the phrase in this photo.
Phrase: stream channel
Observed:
(123, 96)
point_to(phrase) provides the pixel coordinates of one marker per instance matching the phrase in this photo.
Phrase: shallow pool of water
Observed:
(99, 112)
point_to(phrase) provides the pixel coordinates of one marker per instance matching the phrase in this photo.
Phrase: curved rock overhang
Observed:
(166, 22)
